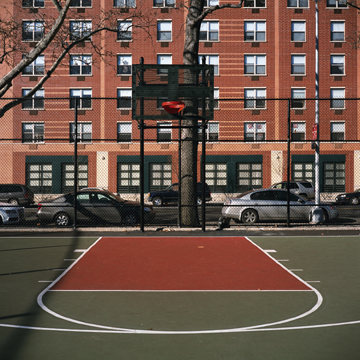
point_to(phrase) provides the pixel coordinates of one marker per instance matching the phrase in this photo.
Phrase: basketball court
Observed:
(222, 297)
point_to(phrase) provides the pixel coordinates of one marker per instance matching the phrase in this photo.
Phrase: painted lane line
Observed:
(80, 250)
(296, 269)
(313, 281)
(282, 260)
(270, 251)
(140, 331)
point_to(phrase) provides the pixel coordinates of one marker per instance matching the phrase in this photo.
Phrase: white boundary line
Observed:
(127, 330)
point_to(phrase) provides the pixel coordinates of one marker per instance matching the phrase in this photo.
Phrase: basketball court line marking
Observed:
(153, 332)
(127, 330)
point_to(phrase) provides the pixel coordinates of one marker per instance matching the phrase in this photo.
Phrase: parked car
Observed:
(93, 206)
(16, 194)
(170, 195)
(349, 198)
(11, 214)
(302, 188)
(271, 204)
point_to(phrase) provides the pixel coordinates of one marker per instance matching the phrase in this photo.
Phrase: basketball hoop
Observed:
(173, 107)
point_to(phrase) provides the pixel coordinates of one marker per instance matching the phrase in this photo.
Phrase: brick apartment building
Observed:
(263, 55)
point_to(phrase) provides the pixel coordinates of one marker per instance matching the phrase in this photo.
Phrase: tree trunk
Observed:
(189, 136)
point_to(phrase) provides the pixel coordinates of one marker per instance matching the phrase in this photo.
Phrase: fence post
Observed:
(75, 163)
(142, 153)
(203, 143)
(288, 165)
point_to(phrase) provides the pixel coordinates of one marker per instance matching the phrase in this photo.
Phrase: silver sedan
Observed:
(271, 204)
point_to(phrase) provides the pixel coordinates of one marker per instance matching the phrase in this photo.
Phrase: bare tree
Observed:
(57, 39)
(197, 12)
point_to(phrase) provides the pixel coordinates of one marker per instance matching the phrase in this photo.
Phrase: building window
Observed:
(160, 176)
(82, 97)
(337, 31)
(211, 132)
(211, 60)
(337, 65)
(216, 177)
(164, 132)
(298, 64)
(37, 67)
(32, 133)
(81, 3)
(303, 172)
(298, 30)
(164, 29)
(254, 31)
(337, 131)
(207, 102)
(255, 98)
(125, 3)
(255, 64)
(32, 30)
(33, 3)
(298, 3)
(164, 3)
(36, 102)
(124, 63)
(124, 98)
(124, 132)
(337, 98)
(84, 132)
(254, 3)
(209, 3)
(249, 176)
(80, 29)
(298, 98)
(39, 178)
(164, 60)
(334, 176)
(80, 64)
(68, 177)
(255, 131)
(297, 131)
(209, 31)
(128, 178)
(336, 3)
(124, 30)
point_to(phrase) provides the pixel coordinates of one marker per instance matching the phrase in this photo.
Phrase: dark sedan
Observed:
(93, 206)
(349, 198)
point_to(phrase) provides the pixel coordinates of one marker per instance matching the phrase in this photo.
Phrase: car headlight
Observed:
(228, 202)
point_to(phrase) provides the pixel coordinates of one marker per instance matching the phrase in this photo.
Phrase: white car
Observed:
(271, 204)
(302, 188)
(11, 214)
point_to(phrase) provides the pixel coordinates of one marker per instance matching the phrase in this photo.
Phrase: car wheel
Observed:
(14, 201)
(1, 220)
(131, 219)
(62, 219)
(249, 216)
(354, 200)
(325, 216)
(198, 201)
(157, 201)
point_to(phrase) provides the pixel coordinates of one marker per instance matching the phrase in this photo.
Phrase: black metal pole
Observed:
(288, 166)
(203, 153)
(179, 161)
(75, 164)
(142, 155)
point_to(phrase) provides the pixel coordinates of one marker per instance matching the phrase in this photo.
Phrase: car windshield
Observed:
(243, 194)
(306, 184)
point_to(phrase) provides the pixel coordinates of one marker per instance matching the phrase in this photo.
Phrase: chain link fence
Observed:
(299, 146)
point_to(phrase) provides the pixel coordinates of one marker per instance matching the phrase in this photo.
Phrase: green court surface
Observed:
(320, 323)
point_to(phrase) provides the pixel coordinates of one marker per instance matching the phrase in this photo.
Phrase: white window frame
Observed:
(338, 4)
(337, 125)
(31, 26)
(256, 25)
(209, 3)
(163, 3)
(125, 93)
(124, 127)
(210, 27)
(82, 94)
(163, 130)
(334, 59)
(38, 62)
(210, 125)
(124, 60)
(255, 95)
(298, 90)
(258, 127)
(126, 3)
(257, 61)
(298, 4)
(35, 138)
(333, 24)
(298, 27)
(81, 5)
(83, 129)
(256, 4)
(164, 27)
(33, 5)
(298, 127)
(81, 27)
(81, 60)
(124, 27)
(211, 59)
(163, 59)
(40, 94)
(337, 93)
(295, 61)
